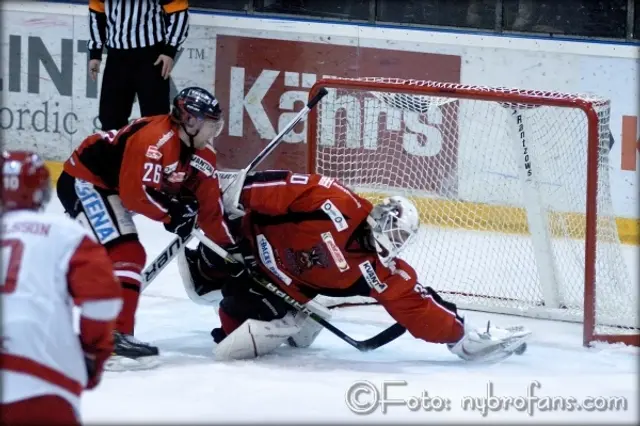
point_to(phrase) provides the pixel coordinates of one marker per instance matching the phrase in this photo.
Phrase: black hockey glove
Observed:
(183, 217)
(245, 262)
(234, 269)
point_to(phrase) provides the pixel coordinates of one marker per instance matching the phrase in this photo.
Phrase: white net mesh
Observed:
(501, 186)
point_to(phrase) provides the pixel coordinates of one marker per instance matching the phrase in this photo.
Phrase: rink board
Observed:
(508, 220)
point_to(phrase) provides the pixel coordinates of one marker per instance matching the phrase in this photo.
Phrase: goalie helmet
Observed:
(394, 223)
(26, 182)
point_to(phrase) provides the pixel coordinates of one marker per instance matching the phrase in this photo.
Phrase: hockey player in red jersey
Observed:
(162, 167)
(312, 236)
(49, 261)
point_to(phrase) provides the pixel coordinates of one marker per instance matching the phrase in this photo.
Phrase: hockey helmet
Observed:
(198, 103)
(26, 181)
(394, 223)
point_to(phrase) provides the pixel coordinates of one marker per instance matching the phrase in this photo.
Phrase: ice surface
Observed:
(309, 385)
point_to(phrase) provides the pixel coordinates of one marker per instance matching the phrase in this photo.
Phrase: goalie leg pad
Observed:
(255, 338)
(309, 328)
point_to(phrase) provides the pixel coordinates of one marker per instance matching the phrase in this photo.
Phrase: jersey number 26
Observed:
(152, 173)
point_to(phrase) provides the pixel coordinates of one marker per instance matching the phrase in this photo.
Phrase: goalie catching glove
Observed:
(490, 344)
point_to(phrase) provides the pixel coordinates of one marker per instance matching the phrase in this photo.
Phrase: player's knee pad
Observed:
(128, 257)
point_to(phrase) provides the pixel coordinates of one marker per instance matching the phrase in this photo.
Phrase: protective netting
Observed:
(501, 186)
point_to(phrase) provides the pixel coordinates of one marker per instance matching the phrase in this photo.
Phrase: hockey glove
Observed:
(94, 360)
(94, 374)
(245, 262)
(183, 217)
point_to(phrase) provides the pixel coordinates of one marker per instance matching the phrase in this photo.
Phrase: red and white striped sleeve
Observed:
(96, 290)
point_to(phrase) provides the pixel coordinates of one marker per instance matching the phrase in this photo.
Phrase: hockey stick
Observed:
(172, 250)
(380, 339)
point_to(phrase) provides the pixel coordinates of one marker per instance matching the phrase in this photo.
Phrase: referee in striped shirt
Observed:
(142, 38)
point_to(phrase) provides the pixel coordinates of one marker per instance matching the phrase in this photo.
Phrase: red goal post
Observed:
(512, 186)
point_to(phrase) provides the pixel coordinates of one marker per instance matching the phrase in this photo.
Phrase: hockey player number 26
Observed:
(11, 261)
(152, 172)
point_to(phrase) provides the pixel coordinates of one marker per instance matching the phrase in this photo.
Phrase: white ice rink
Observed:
(310, 385)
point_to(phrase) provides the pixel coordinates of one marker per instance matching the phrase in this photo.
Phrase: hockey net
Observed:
(512, 187)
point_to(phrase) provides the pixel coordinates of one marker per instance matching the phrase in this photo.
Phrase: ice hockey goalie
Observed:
(48, 263)
(310, 235)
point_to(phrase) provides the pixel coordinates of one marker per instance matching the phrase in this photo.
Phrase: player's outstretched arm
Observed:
(419, 309)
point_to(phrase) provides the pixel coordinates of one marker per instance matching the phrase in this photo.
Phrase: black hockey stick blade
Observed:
(388, 335)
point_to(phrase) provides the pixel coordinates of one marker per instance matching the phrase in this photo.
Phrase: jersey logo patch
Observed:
(96, 212)
(268, 259)
(326, 181)
(201, 164)
(335, 215)
(153, 152)
(370, 276)
(171, 168)
(176, 177)
(299, 261)
(164, 138)
(335, 252)
(402, 273)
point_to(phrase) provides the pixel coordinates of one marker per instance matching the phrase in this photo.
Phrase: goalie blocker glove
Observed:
(242, 268)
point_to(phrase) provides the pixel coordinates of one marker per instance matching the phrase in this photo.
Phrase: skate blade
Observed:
(121, 363)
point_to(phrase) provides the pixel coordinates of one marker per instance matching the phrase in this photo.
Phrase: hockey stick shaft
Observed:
(162, 260)
(172, 250)
(276, 141)
(381, 339)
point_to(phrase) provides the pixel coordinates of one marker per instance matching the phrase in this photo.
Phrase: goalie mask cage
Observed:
(512, 187)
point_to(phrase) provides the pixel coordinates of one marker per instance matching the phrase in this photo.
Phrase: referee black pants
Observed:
(127, 73)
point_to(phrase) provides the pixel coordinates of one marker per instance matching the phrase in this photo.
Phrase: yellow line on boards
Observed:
(485, 217)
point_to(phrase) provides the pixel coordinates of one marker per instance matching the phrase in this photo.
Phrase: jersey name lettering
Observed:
(335, 251)
(203, 165)
(96, 212)
(268, 259)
